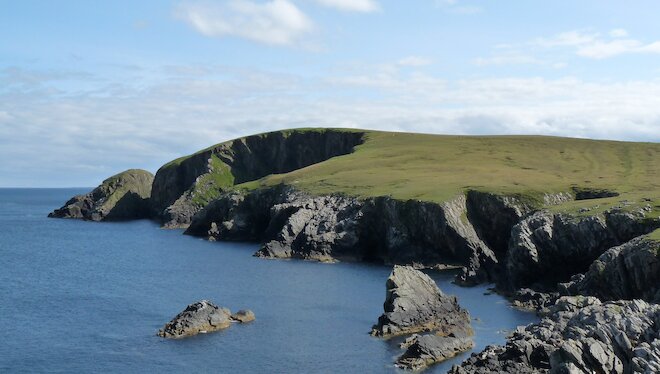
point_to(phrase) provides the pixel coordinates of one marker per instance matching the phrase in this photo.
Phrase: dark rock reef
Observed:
(579, 335)
(202, 317)
(121, 197)
(182, 187)
(414, 303)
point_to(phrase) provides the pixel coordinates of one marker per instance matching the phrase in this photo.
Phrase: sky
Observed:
(91, 88)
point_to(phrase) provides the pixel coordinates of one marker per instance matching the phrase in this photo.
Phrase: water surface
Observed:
(85, 297)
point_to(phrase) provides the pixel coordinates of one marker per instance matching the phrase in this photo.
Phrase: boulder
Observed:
(121, 197)
(414, 303)
(200, 317)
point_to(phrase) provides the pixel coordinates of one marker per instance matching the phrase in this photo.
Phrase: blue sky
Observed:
(90, 88)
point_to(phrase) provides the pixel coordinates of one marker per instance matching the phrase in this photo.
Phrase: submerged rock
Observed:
(200, 317)
(426, 350)
(579, 335)
(414, 303)
(120, 197)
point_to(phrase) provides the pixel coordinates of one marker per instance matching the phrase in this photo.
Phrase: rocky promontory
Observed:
(121, 197)
(202, 317)
(579, 335)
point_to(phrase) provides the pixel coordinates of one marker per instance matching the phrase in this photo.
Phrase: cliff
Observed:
(185, 185)
(121, 197)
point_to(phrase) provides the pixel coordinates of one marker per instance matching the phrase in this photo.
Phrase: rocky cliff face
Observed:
(121, 197)
(629, 271)
(494, 238)
(292, 224)
(182, 187)
(579, 335)
(547, 248)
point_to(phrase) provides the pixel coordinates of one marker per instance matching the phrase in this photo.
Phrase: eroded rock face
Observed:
(547, 248)
(426, 350)
(628, 271)
(579, 335)
(202, 316)
(121, 197)
(292, 224)
(414, 303)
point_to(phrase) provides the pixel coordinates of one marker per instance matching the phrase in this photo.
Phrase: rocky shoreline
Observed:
(538, 258)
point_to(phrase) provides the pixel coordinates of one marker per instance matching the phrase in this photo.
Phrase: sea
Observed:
(89, 297)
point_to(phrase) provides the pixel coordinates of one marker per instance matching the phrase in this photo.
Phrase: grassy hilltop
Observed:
(438, 167)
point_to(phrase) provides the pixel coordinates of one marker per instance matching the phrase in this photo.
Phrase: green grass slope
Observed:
(437, 167)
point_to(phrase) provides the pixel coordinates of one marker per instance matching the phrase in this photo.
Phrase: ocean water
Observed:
(89, 297)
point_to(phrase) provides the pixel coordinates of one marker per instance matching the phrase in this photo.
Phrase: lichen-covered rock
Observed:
(579, 335)
(200, 317)
(429, 349)
(628, 271)
(414, 303)
(121, 197)
(243, 316)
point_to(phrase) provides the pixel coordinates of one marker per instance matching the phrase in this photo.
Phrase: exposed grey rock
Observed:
(628, 271)
(243, 316)
(528, 299)
(579, 335)
(547, 248)
(428, 349)
(121, 197)
(414, 303)
(200, 317)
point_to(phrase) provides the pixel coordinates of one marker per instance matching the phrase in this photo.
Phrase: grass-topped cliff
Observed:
(437, 167)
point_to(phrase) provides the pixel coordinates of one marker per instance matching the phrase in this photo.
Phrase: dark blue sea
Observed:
(89, 297)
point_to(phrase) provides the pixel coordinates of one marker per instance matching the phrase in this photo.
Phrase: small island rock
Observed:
(414, 303)
(200, 317)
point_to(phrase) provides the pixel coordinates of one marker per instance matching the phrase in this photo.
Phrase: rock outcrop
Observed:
(200, 317)
(184, 186)
(428, 349)
(293, 224)
(121, 197)
(546, 248)
(629, 271)
(414, 303)
(579, 335)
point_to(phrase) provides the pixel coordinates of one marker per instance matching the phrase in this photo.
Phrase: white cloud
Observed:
(277, 22)
(365, 6)
(414, 61)
(593, 45)
(72, 137)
